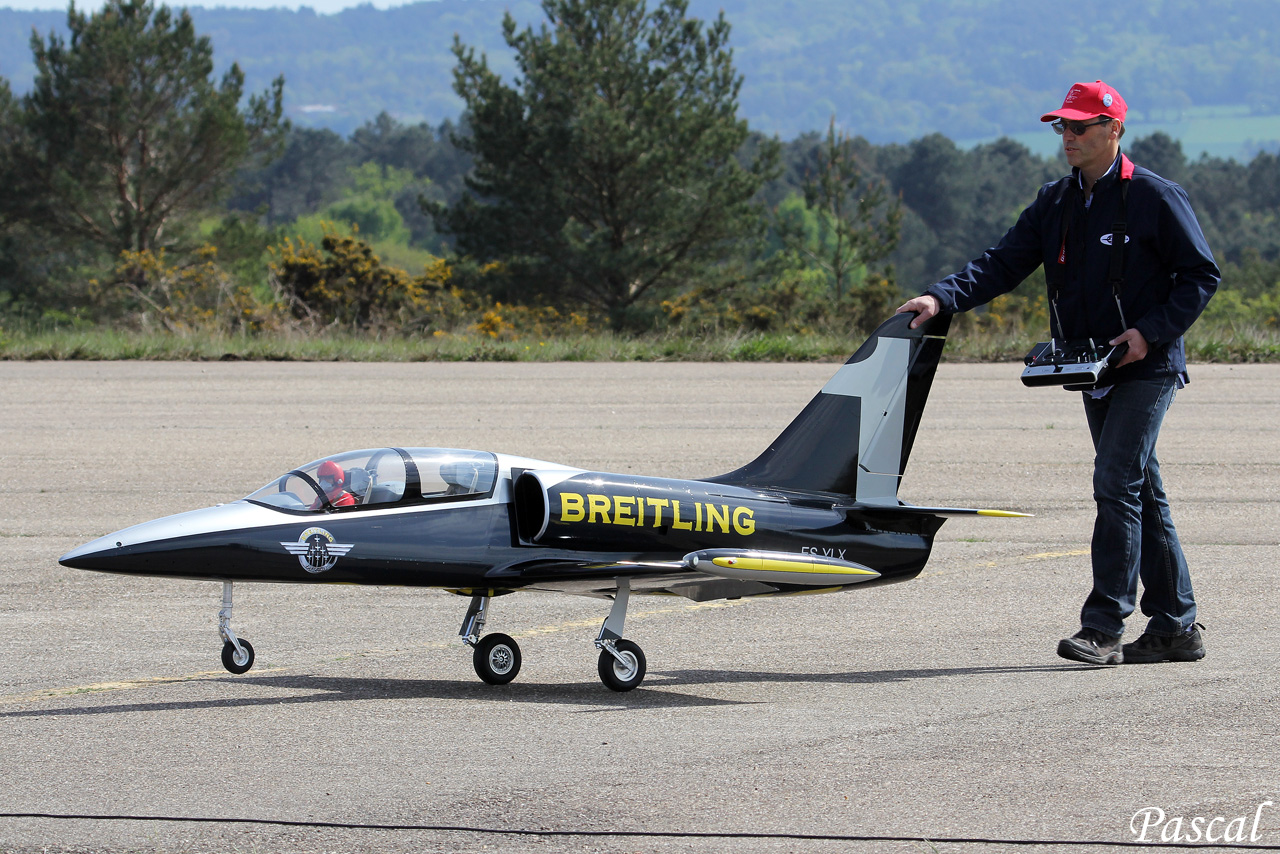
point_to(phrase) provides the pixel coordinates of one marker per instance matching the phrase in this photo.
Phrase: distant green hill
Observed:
(1207, 73)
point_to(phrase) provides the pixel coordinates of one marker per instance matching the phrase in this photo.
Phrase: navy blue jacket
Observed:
(1169, 271)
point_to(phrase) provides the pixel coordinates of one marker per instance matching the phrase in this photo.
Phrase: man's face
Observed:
(1095, 149)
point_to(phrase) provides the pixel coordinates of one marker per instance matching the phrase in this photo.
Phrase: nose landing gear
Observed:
(237, 653)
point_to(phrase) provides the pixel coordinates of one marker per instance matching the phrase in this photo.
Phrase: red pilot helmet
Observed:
(330, 469)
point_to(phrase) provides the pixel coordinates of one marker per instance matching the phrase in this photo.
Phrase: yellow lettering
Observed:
(747, 527)
(657, 504)
(571, 507)
(697, 508)
(640, 511)
(718, 518)
(597, 505)
(622, 507)
(675, 517)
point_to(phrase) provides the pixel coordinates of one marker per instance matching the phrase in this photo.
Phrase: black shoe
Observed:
(1150, 648)
(1092, 647)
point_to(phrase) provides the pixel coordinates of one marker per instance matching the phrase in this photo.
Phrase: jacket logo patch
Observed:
(1107, 239)
(316, 550)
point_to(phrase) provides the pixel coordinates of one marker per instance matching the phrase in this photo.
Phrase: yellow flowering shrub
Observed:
(148, 288)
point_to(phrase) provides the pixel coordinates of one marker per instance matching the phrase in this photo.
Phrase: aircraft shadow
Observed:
(329, 689)
(855, 677)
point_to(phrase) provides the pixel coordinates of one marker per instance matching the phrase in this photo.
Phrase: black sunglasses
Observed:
(1061, 126)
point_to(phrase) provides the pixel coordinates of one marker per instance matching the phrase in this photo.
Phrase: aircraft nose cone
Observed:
(141, 548)
(90, 555)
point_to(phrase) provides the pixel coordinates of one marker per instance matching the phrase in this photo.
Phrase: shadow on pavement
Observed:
(654, 695)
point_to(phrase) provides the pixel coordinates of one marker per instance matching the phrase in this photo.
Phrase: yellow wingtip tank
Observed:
(779, 567)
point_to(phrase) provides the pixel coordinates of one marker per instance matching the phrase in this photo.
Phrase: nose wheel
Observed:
(237, 660)
(237, 653)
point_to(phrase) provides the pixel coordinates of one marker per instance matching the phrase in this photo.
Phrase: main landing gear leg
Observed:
(495, 657)
(621, 664)
(237, 653)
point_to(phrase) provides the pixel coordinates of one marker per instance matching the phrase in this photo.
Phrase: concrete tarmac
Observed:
(931, 716)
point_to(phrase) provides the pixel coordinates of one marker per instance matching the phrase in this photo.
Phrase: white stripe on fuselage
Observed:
(246, 515)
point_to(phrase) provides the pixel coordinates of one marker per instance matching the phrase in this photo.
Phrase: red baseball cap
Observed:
(1086, 100)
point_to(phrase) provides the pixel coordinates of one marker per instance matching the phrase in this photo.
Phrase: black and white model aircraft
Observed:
(818, 511)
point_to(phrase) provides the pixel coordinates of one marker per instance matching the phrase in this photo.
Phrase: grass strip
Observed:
(1210, 344)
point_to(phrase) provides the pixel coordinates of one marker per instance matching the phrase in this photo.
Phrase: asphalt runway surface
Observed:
(931, 716)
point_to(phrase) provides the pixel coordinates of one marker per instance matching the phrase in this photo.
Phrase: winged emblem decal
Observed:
(316, 550)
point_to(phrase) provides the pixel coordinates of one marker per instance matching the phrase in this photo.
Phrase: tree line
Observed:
(613, 184)
(894, 70)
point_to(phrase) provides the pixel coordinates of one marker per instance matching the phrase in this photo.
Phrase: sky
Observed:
(324, 7)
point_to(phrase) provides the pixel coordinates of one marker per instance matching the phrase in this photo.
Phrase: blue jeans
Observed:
(1133, 535)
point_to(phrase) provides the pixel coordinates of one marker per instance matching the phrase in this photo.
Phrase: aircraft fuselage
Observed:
(571, 531)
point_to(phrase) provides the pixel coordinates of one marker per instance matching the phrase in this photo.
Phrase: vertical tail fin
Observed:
(854, 438)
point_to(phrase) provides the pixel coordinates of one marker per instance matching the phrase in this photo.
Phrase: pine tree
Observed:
(608, 173)
(126, 134)
(858, 225)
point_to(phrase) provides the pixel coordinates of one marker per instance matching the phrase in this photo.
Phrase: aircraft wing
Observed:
(703, 575)
(913, 509)
(586, 576)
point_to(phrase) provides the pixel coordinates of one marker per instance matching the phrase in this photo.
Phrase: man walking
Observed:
(1126, 262)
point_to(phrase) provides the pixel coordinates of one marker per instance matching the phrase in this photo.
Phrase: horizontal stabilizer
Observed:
(928, 511)
(778, 567)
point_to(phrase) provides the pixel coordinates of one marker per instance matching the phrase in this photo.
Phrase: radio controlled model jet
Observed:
(818, 511)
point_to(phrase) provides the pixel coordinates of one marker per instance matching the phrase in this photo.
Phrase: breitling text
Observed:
(639, 511)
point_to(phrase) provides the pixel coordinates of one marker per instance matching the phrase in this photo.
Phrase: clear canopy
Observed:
(381, 476)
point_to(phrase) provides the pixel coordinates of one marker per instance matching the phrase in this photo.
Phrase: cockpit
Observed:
(383, 476)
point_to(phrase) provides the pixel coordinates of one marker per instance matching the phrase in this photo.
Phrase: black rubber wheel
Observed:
(229, 657)
(496, 659)
(617, 675)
